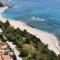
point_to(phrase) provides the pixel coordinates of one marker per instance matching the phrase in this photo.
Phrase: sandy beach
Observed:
(45, 37)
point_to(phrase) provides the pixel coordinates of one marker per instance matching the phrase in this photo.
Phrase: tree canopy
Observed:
(30, 47)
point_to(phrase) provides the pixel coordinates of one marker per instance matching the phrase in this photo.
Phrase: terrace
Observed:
(5, 52)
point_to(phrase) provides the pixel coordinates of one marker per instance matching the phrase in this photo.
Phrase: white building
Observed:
(0, 30)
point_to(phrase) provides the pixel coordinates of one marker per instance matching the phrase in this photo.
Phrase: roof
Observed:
(6, 57)
(3, 54)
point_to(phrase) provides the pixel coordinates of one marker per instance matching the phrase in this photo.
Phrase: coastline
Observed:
(45, 37)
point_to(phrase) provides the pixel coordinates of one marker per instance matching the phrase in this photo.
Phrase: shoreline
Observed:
(45, 37)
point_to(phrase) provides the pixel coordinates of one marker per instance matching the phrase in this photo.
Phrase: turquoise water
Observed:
(40, 14)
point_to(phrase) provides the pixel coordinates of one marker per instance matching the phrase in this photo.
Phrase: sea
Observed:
(40, 14)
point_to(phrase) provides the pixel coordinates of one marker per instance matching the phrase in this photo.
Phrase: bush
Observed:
(1, 5)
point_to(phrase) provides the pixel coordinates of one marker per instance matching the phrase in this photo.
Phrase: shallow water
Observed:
(40, 14)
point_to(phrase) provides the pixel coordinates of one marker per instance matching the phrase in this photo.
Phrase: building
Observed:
(5, 52)
(0, 31)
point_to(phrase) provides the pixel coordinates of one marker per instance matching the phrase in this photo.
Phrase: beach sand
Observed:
(45, 37)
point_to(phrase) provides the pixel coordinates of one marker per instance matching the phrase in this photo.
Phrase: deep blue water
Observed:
(40, 14)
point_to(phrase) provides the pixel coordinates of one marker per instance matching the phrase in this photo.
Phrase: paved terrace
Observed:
(5, 52)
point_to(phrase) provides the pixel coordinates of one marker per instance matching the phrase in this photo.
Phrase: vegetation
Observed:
(1, 5)
(30, 47)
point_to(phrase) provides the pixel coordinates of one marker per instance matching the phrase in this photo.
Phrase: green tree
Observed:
(1, 5)
(58, 57)
(7, 24)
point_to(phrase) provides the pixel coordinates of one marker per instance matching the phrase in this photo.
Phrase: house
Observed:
(5, 52)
